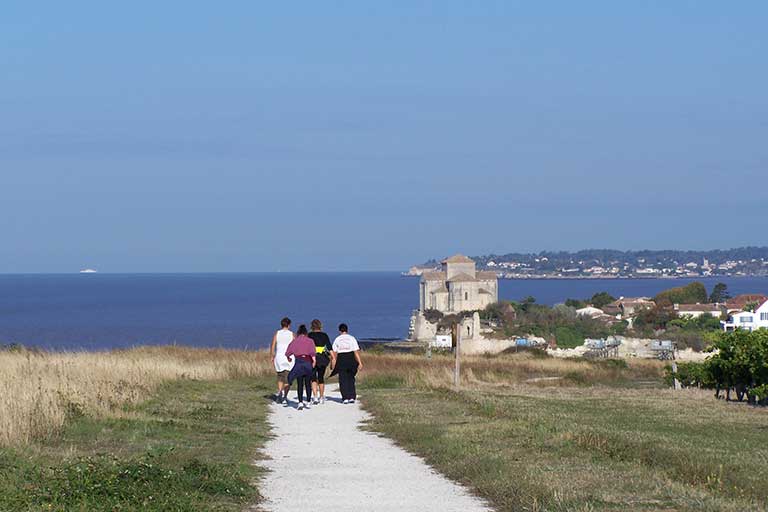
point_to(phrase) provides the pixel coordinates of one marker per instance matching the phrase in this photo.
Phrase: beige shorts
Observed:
(282, 377)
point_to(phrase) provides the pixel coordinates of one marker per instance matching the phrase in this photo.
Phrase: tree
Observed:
(741, 364)
(601, 299)
(527, 303)
(719, 293)
(654, 318)
(693, 293)
(575, 303)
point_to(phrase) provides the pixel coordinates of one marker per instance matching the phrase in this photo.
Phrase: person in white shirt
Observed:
(345, 360)
(282, 364)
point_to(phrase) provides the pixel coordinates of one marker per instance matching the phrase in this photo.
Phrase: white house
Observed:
(747, 319)
(696, 310)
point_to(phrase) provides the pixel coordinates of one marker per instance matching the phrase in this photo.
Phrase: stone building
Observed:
(457, 287)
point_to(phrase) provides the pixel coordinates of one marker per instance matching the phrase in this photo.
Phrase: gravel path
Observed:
(320, 460)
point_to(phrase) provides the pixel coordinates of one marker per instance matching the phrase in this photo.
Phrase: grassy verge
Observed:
(574, 445)
(189, 447)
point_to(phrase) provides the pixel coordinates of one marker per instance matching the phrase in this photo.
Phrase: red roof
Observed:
(740, 301)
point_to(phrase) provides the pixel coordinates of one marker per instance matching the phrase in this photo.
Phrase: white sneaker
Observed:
(300, 406)
(315, 401)
(345, 401)
(352, 401)
(285, 402)
(322, 399)
(306, 405)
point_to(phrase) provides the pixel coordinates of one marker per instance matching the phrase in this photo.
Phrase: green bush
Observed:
(601, 299)
(740, 364)
(575, 303)
(620, 328)
(432, 315)
(568, 337)
(690, 374)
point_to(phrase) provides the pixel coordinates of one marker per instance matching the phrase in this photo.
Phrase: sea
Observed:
(107, 311)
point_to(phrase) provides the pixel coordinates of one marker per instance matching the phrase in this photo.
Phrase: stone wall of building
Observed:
(422, 329)
(453, 269)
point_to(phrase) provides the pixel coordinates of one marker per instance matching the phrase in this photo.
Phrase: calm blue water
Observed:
(98, 311)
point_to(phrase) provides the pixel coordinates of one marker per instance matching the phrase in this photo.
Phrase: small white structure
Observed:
(748, 320)
(590, 311)
(442, 341)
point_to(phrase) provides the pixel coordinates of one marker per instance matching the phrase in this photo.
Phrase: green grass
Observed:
(190, 448)
(564, 449)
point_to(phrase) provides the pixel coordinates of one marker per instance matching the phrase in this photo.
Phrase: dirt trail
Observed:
(320, 459)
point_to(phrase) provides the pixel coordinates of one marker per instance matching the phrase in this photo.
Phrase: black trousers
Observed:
(304, 383)
(347, 383)
(302, 373)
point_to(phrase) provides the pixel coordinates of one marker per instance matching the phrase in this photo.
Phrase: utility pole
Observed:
(457, 352)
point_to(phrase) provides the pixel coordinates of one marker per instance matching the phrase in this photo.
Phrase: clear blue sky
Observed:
(188, 136)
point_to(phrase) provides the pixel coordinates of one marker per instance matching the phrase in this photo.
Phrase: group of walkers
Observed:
(305, 356)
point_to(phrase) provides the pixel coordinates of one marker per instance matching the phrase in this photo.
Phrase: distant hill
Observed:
(744, 261)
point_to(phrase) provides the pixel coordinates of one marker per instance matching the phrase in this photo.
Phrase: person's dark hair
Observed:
(343, 328)
(285, 322)
(317, 325)
(302, 330)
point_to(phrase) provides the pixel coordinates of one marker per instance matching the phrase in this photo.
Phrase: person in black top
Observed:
(323, 359)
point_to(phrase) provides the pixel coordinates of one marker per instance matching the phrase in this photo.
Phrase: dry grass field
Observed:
(39, 390)
(530, 369)
(540, 434)
(153, 428)
(171, 428)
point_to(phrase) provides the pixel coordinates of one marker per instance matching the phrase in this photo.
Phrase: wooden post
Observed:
(457, 368)
(674, 372)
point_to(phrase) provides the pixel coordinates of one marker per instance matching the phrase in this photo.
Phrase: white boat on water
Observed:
(88, 271)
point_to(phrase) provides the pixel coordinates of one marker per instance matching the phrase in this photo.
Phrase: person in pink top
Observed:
(303, 348)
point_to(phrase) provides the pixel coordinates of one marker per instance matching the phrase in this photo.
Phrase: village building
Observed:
(628, 307)
(598, 314)
(740, 302)
(748, 320)
(697, 310)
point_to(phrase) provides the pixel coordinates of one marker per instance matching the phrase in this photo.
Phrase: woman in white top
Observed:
(280, 342)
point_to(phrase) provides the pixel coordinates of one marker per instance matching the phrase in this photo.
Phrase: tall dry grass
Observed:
(507, 370)
(40, 390)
